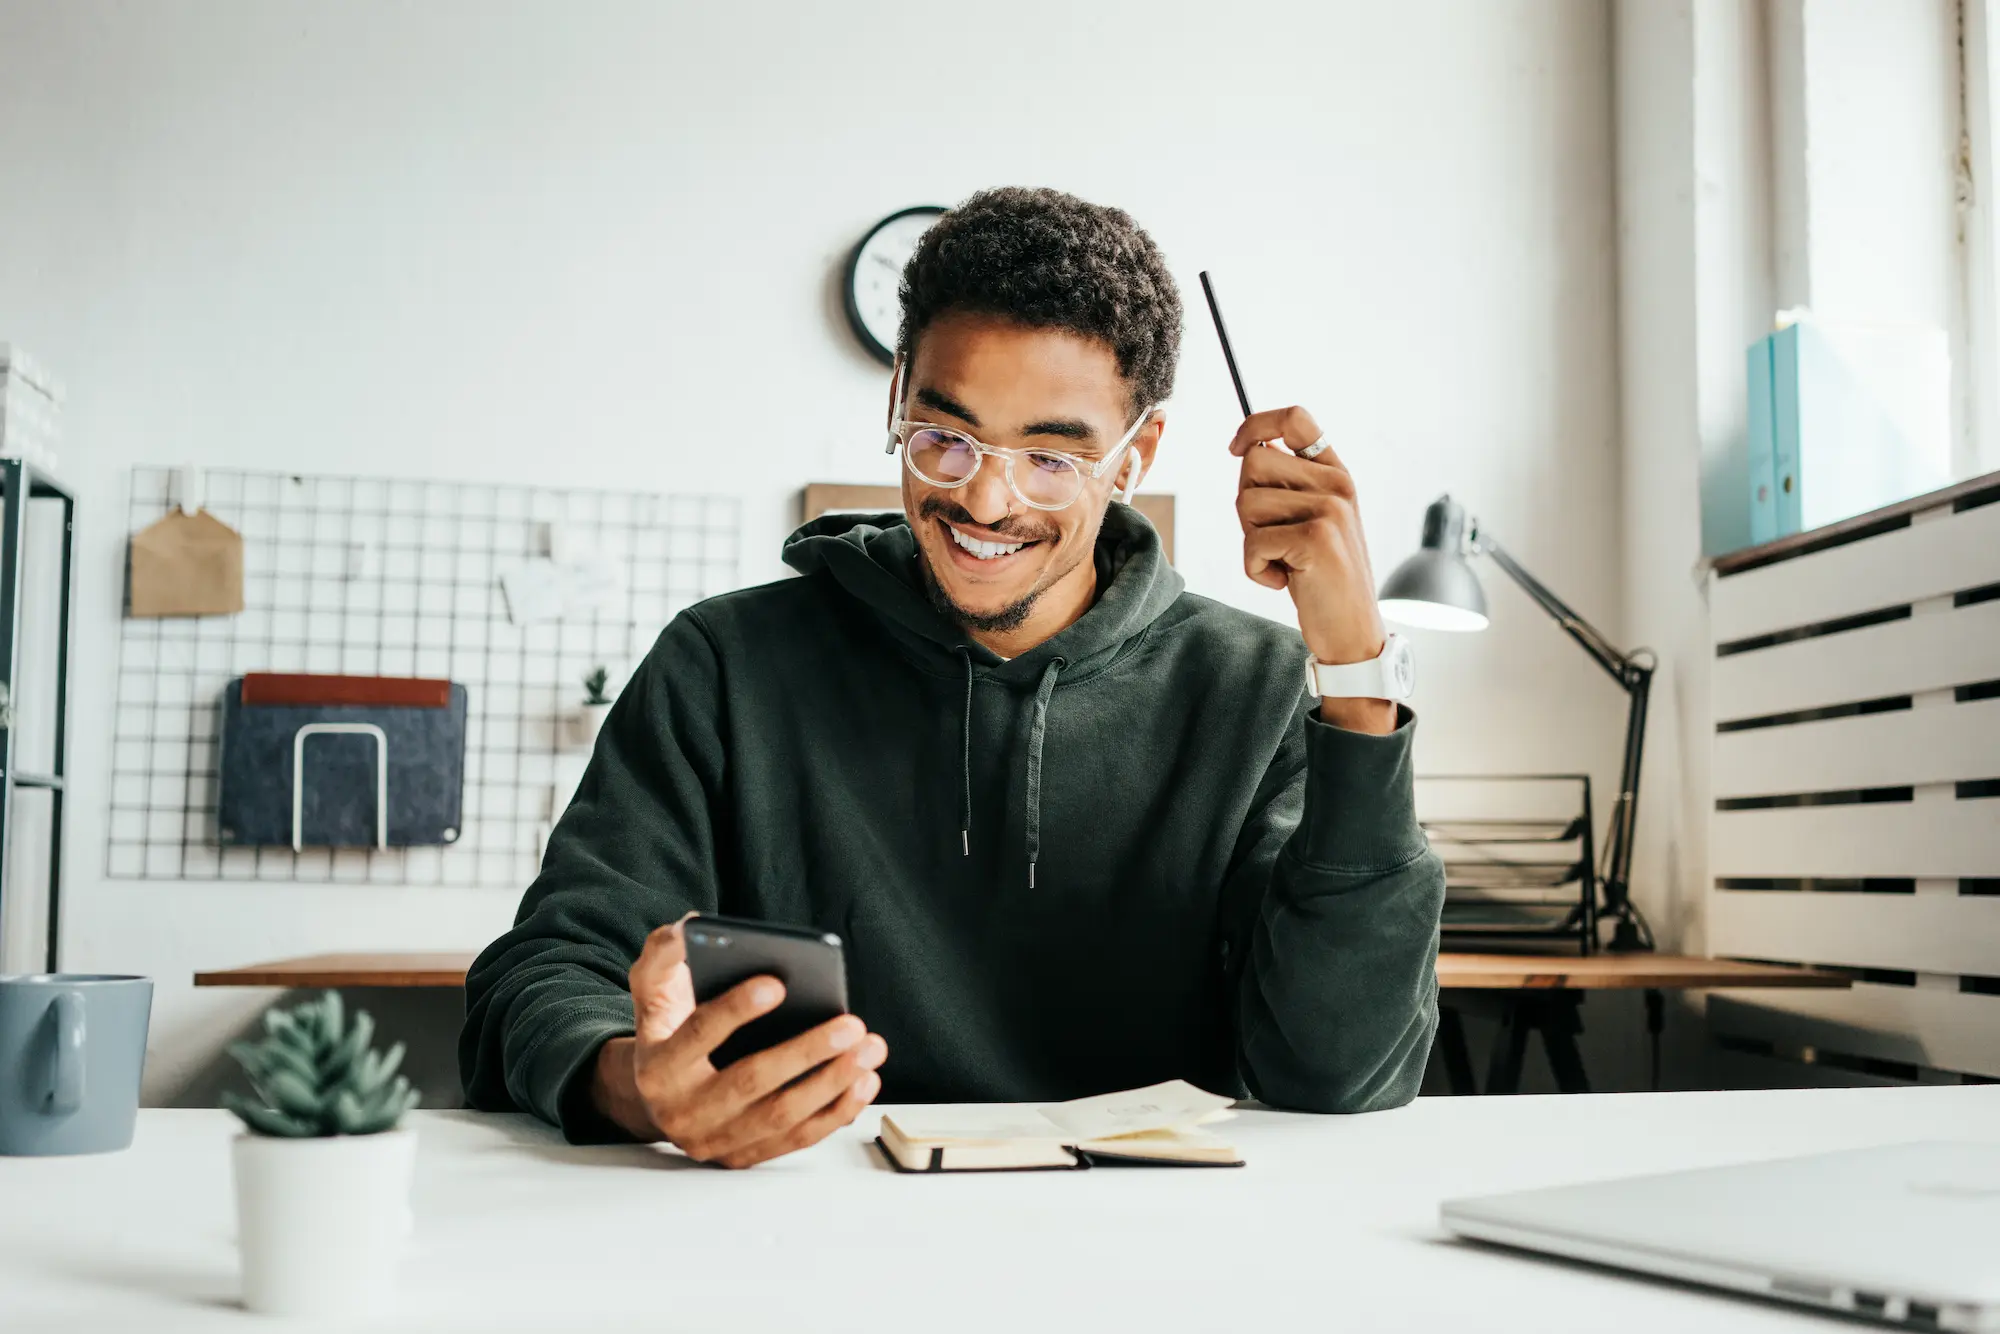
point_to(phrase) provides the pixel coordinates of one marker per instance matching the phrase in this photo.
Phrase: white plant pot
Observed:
(322, 1222)
(589, 722)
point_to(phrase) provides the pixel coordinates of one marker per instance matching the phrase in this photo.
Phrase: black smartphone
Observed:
(722, 951)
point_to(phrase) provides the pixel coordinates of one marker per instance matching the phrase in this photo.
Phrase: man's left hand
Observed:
(1302, 533)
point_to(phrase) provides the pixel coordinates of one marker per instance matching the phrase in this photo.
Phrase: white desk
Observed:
(1332, 1226)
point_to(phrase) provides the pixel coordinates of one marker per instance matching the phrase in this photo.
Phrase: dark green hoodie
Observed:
(1132, 853)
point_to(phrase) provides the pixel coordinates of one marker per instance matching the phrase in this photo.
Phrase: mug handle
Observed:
(66, 1080)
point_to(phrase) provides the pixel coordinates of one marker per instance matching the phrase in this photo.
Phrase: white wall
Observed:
(587, 241)
(1695, 268)
(1656, 183)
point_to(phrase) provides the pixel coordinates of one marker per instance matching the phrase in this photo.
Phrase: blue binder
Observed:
(1834, 448)
(1762, 444)
(1786, 392)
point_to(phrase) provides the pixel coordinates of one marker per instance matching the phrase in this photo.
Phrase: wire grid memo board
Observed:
(393, 578)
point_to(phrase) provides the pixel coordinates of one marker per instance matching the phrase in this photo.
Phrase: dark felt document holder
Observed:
(341, 761)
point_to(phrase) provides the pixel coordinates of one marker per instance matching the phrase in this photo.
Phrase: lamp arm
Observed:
(1583, 632)
(1619, 842)
(1634, 673)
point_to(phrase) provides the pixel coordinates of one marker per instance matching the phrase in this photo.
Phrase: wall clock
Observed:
(873, 272)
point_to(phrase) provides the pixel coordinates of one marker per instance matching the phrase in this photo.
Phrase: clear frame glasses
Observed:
(1043, 479)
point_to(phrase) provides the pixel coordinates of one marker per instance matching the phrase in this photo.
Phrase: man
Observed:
(1080, 830)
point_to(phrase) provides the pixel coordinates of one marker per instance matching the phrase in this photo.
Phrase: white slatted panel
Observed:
(1946, 1030)
(1938, 839)
(1904, 838)
(1925, 652)
(1924, 933)
(1942, 744)
(1931, 557)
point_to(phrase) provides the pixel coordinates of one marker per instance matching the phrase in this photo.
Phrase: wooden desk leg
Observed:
(1452, 1049)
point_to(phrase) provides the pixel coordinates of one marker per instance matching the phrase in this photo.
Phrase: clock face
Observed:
(873, 273)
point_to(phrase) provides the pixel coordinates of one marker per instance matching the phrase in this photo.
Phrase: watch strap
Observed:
(1374, 678)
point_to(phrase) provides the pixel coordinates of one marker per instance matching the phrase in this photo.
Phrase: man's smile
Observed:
(981, 549)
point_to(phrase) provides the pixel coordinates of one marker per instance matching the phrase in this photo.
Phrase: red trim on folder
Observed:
(301, 688)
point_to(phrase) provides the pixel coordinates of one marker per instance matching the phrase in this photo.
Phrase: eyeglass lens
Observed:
(945, 458)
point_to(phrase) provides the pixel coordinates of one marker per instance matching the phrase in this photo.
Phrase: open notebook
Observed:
(1160, 1125)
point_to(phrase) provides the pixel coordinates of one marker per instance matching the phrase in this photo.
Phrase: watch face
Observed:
(1402, 667)
(874, 272)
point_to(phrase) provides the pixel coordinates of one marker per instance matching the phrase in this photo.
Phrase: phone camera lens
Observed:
(719, 941)
(698, 937)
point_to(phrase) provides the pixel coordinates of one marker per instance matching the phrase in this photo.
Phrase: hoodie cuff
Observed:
(555, 1074)
(1360, 809)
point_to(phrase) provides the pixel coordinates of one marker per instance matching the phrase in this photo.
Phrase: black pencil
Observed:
(1228, 354)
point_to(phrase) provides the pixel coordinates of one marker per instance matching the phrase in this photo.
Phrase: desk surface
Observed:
(1333, 1225)
(1488, 971)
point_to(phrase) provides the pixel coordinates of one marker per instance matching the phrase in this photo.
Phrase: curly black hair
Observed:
(1051, 261)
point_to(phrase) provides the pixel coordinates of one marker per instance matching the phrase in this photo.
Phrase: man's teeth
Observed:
(984, 550)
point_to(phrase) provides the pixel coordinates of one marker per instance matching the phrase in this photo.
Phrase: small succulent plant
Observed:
(315, 1075)
(593, 686)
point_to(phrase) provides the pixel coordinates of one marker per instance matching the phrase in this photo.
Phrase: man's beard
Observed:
(1007, 618)
(991, 622)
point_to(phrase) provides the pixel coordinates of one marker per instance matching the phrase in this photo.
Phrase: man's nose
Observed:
(987, 497)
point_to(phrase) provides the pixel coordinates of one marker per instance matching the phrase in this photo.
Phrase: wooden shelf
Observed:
(379, 969)
(1619, 972)
(1508, 972)
(1886, 519)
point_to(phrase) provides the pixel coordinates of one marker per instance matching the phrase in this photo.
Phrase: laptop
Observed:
(1907, 1233)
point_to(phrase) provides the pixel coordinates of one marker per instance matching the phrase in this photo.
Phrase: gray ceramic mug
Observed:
(72, 1047)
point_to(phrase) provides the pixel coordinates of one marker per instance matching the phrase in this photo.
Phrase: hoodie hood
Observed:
(874, 558)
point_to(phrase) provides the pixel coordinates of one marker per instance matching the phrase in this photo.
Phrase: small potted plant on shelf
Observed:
(596, 704)
(322, 1172)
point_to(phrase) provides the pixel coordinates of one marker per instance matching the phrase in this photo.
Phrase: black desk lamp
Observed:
(1435, 589)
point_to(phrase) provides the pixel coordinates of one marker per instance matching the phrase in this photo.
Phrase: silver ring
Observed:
(1313, 451)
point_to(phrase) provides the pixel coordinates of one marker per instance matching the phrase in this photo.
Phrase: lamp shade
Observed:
(1435, 589)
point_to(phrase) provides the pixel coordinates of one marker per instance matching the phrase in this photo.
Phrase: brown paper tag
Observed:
(187, 565)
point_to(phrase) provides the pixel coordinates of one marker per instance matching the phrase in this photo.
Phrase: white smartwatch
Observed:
(1390, 674)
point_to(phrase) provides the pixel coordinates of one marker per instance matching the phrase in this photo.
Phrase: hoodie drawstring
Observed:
(965, 759)
(1036, 732)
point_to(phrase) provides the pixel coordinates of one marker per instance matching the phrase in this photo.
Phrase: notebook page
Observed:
(1161, 1107)
(967, 1122)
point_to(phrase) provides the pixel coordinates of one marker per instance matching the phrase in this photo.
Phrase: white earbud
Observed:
(895, 405)
(1138, 472)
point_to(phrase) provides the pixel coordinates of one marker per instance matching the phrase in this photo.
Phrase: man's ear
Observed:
(1144, 446)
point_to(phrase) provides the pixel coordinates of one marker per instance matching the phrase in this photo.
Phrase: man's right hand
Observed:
(660, 1083)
